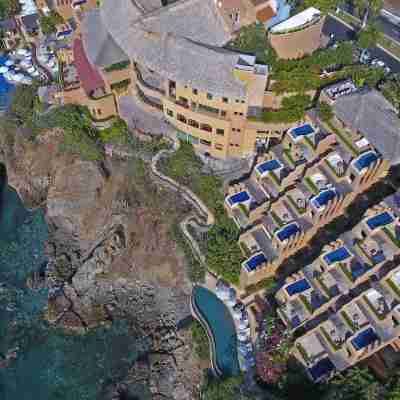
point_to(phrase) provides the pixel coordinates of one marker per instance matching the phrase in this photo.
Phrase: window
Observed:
(209, 96)
(99, 111)
(219, 146)
(241, 114)
(206, 127)
(195, 91)
(237, 130)
(243, 101)
(352, 177)
(181, 118)
(170, 113)
(233, 129)
(193, 123)
(263, 132)
(223, 113)
(237, 101)
(235, 113)
(220, 131)
(205, 142)
(225, 100)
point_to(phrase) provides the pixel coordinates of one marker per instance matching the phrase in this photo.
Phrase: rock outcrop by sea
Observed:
(110, 259)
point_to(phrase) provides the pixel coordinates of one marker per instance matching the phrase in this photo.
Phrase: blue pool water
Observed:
(254, 261)
(379, 220)
(365, 160)
(337, 255)
(6, 89)
(323, 198)
(321, 368)
(364, 339)
(268, 166)
(219, 320)
(358, 269)
(240, 197)
(288, 231)
(297, 287)
(303, 130)
(49, 364)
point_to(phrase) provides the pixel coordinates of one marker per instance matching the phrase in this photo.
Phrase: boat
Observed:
(3, 69)
(31, 70)
(9, 63)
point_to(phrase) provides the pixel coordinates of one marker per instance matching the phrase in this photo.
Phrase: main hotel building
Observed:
(172, 59)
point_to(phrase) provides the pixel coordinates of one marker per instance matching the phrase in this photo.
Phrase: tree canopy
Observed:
(9, 8)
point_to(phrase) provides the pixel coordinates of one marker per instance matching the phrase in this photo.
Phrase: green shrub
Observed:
(200, 341)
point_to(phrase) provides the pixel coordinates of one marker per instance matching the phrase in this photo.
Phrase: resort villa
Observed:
(302, 183)
(172, 60)
(347, 300)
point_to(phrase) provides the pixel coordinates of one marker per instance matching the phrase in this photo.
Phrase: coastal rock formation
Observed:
(111, 257)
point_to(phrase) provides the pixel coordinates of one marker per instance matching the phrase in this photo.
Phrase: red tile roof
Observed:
(88, 75)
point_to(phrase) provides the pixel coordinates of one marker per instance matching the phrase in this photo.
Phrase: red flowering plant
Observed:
(273, 349)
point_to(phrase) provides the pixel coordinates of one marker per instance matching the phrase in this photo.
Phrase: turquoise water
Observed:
(214, 311)
(50, 365)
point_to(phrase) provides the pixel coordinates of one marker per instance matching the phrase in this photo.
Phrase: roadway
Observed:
(343, 32)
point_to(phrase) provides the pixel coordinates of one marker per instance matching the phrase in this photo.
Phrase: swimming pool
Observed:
(287, 231)
(220, 322)
(321, 369)
(322, 199)
(254, 261)
(297, 287)
(337, 255)
(267, 166)
(379, 220)
(365, 160)
(302, 130)
(237, 198)
(364, 339)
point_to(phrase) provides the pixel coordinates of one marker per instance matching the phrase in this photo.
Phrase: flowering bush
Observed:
(273, 351)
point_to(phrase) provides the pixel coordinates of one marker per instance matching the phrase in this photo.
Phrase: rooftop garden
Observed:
(253, 39)
(118, 66)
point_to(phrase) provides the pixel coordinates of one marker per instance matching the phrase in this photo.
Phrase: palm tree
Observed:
(368, 8)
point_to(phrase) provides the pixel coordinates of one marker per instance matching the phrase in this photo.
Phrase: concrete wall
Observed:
(299, 43)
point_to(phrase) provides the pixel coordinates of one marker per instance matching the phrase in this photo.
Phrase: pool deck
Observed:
(211, 283)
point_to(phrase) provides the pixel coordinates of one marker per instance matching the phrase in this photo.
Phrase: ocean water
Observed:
(6, 89)
(49, 364)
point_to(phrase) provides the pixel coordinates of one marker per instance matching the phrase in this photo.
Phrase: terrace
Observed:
(394, 283)
(353, 316)
(376, 303)
(310, 348)
(335, 333)
(372, 250)
(293, 313)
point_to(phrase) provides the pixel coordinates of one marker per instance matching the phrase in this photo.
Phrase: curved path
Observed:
(203, 220)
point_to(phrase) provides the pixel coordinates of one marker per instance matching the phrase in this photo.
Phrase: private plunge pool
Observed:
(216, 315)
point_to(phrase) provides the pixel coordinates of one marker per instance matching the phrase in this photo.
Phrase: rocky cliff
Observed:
(111, 256)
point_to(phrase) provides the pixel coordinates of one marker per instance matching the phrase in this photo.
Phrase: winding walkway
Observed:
(202, 221)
